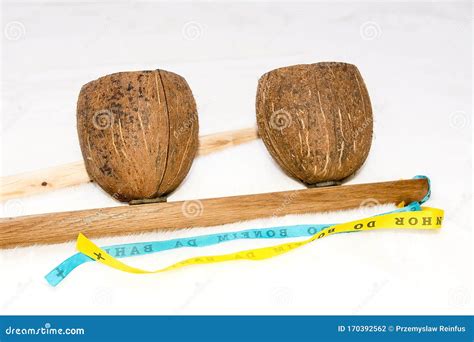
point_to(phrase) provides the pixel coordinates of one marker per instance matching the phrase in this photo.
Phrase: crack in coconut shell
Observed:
(334, 101)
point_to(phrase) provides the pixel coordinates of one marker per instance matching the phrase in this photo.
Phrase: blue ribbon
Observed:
(60, 272)
(428, 193)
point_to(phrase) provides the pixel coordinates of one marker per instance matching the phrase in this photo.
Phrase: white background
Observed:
(416, 61)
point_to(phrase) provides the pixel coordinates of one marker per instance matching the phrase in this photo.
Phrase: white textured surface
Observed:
(418, 71)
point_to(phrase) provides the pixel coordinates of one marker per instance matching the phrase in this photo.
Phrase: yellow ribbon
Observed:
(427, 218)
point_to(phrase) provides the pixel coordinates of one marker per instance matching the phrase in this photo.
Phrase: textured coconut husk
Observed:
(138, 132)
(315, 120)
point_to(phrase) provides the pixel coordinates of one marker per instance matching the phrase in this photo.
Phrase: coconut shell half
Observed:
(315, 120)
(138, 132)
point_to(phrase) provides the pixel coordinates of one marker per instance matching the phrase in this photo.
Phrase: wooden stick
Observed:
(53, 178)
(95, 223)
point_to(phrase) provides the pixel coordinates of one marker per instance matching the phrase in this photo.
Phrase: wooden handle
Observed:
(41, 181)
(94, 223)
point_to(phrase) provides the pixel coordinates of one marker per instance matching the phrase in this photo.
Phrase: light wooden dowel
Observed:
(215, 142)
(94, 223)
(62, 176)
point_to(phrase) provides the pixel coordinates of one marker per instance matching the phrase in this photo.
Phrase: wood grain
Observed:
(94, 223)
(72, 174)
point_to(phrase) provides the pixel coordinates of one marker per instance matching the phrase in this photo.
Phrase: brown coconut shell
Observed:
(315, 120)
(138, 132)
